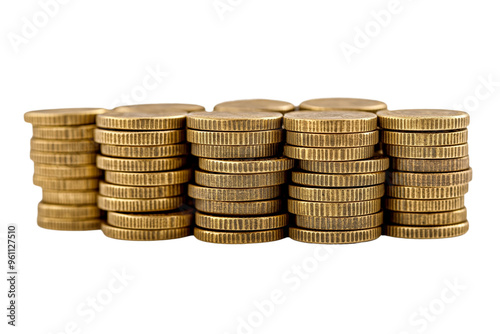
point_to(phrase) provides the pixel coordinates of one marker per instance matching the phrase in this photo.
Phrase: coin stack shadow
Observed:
(144, 156)
(64, 153)
(238, 187)
(429, 172)
(336, 195)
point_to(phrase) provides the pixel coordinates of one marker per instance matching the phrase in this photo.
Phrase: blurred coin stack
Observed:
(336, 193)
(144, 156)
(251, 105)
(64, 153)
(430, 172)
(237, 188)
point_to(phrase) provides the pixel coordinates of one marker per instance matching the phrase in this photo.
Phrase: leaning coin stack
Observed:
(255, 105)
(430, 172)
(237, 188)
(144, 156)
(336, 195)
(64, 153)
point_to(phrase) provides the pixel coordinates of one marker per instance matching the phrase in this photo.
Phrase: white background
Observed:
(428, 54)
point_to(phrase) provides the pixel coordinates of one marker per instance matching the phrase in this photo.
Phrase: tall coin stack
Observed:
(430, 172)
(237, 188)
(336, 196)
(254, 105)
(144, 156)
(64, 153)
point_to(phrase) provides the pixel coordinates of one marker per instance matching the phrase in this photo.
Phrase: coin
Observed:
(343, 103)
(240, 223)
(64, 132)
(427, 192)
(338, 180)
(139, 165)
(148, 179)
(69, 197)
(151, 221)
(234, 120)
(221, 237)
(143, 117)
(51, 183)
(139, 138)
(329, 154)
(336, 194)
(239, 180)
(236, 195)
(334, 237)
(255, 104)
(330, 121)
(164, 151)
(143, 234)
(234, 138)
(427, 232)
(431, 179)
(182, 106)
(68, 211)
(335, 209)
(138, 205)
(254, 208)
(48, 158)
(70, 116)
(423, 119)
(64, 146)
(427, 152)
(332, 139)
(115, 190)
(434, 165)
(246, 166)
(448, 138)
(232, 152)
(67, 172)
(423, 219)
(415, 205)
(377, 163)
(340, 223)
(68, 224)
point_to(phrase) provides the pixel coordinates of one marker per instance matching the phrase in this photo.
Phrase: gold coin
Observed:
(336, 194)
(332, 139)
(63, 146)
(434, 165)
(247, 166)
(139, 165)
(428, 219)
(331, 209)
(330, 121)
(427, 152)
(427, 232)
(254, 208)
(431, 179)
(164, 151)
(340, 223)
(427, 192)
(329, 154)
(234, 152)
(64, 132)
(138, 205)
(51, 183)
(62, 158)
(67, 172)
(240, 223)
(334, 237)
(239, 180)
(151, 221)
(236, 195)
(343, 103)
(139, 138)
(338, 180)
(69, 224)
(448, 138)
(143, 234)
(234, 120)
(416, 205)
(220, 237)
(377, 163)
(255, 104)
(55, 117)
(143, 117)
(114, 190)
(148, 179)
(69, 197)
(182, 106)
(234, 138)
(423, 119)
(68, 211)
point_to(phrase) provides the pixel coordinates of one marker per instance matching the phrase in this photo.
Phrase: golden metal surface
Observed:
(234, 152)
(120, 191)
(254, 208)
(148, 179)
(143, 117)
(426, 219)
(64, 132)
(329, 209)
(423, 119)
(48, 158)
(377, 163)
(427, 152)
(332, 139)
(50, 183)
(139, 205)
(255, 104)
(234, 120)
(329, 154)
(431, 179)
(340, 223)
(447, 138)
(427, 192)
(246, 166)
(163, 151)
(336, 194)
(430, 166)
(69, 197)
(214, 180)
(139, 165)
(330, 121)
(234, 138)
(67, 172)
(343, 103)
(143, 234)
(427, 232)
(139, 138)
(64, 146)
(334, 237)
(68, 224)
(338, 180)
(240, 223)
(56, 117)
(416, 205)
(151, 221)
(68, 211)
(231, 194)
(221, 237)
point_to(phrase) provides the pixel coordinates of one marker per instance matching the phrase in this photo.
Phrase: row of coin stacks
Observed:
(144, 156)
(64, 152)
(238, 186)
(430, 172)
(336, 195)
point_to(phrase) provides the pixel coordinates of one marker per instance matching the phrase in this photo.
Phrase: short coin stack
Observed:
(144, 155)
(64, 153)
(255, 105)
(237, 188)
(336, 196)
(430, 172)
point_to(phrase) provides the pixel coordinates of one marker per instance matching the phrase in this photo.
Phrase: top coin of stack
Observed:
(64, 153)
(430, 172)
(237, 190)
(343, 104)
(255, 105)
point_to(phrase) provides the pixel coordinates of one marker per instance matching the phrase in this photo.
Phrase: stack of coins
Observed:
(430, 172)
(64, 153)
(255, 104)
(336, 196)
(144, 156)
(237, 188)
